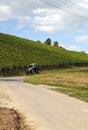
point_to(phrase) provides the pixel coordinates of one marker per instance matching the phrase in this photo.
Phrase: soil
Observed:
(10, 119)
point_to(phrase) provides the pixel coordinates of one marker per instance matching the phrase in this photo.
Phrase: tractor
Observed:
(33, 69)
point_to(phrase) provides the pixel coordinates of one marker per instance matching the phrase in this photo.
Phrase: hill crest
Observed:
(17, 51)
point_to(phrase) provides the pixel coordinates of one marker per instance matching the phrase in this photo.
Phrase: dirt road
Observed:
(44, 108)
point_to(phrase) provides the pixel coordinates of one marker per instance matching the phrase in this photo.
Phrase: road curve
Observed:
(46, 109)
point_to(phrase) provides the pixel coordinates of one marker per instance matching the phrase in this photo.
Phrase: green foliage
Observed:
(48, 41)
(56, 44)
(15, 51)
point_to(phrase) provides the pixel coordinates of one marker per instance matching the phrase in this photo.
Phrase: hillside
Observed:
(15, 51)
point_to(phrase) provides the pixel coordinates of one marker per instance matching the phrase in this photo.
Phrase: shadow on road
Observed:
(10, 79)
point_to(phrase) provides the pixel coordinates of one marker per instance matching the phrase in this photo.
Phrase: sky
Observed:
(65, 21)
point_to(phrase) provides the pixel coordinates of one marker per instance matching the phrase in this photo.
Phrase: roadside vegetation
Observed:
(16, 53)
(71, 81)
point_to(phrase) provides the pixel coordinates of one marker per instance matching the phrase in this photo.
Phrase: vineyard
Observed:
(16, 53)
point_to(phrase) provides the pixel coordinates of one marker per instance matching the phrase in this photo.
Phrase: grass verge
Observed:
(71, 81)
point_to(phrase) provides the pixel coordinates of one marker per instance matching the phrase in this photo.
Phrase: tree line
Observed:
(48, 41)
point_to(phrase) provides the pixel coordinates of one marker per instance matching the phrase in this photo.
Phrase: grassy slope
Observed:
(19, 51)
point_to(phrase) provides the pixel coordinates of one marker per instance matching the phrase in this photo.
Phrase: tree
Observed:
(83, 52)
(56, 43)
(39, 41)
(48, 41)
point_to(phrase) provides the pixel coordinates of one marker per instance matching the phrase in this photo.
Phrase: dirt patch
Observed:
(10, 119)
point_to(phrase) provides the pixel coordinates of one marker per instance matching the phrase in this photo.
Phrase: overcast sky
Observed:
(65, 21)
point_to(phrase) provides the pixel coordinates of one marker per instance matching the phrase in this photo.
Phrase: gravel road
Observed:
(46, 109)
